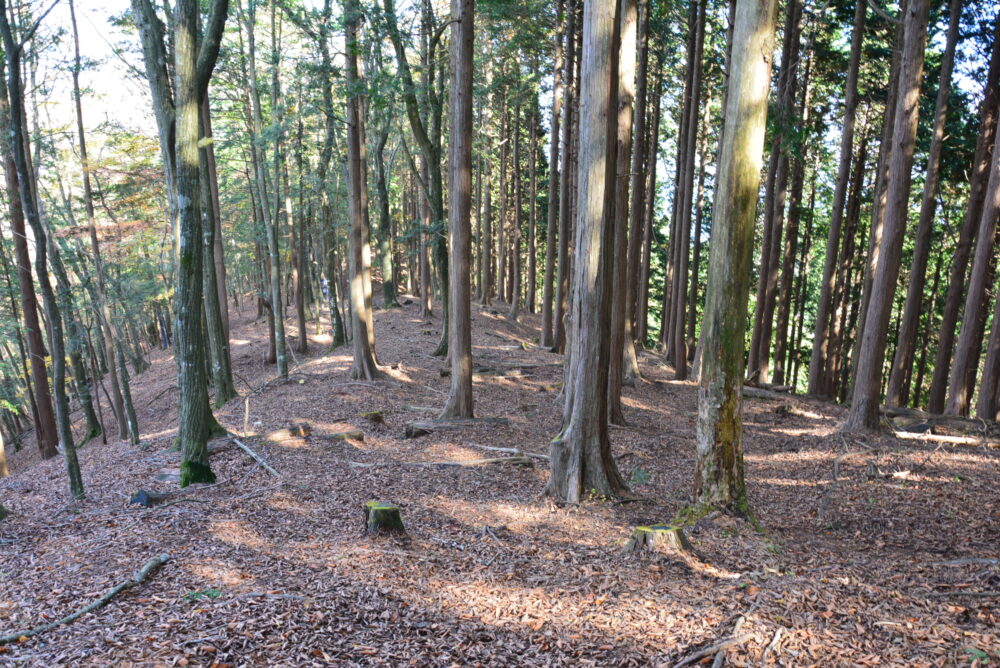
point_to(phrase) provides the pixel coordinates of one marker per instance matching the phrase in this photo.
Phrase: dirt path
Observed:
(878, 567)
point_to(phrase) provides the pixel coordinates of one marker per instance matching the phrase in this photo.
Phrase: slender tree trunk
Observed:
(552, 214)
(13, 114)
(364, 366)
(515, 270)
(642, 305)
(902, 364)
(969, 338)
(864, 412)
(459, 403)
(566, 180)
(988, 112)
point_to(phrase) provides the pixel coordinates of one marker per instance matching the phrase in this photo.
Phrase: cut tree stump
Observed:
(375, 417)
(3, 512)
(657, 536)
(383, 517)
(348, 434)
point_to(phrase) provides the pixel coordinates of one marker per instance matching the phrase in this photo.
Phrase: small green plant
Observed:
(975, 653)
(203, 594)
(772, 548)
(638, 478)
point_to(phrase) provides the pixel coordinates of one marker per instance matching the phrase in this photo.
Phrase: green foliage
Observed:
(203, 594)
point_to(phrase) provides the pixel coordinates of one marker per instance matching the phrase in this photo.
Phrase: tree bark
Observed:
(552, 214)
(864, 411)
(580, 457)
(988, 113)
(902, 364)
(459, 403)
(718, 477)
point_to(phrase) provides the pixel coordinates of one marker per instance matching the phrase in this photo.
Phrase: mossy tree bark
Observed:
(459, 404)
(193, 65)
(718, 477)
(580, 456)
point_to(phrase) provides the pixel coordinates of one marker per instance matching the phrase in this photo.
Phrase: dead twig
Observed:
(138, 578)
(257, 458)
(723, 645)
(771, 646)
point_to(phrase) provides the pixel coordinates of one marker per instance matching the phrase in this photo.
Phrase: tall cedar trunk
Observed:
(515, 270)
(552, 213)
(642, 299)
(785, 297)
(718, 477)
(680, 285)
(864, 412)
(580, 456)
(638, 188)
(106, 322)
(364, 366)
(459, 404)
(384, 222)
(299, 234)
(268, 216)
(760, 352)
(969, 338)
(13, 114)
(532, 286)
(986, 406)
(667, 329)
(820, 351)
(566, 178)
(988, 113)
(218, 341)
(623, 130)
(881, 189)
(426, 236)
(902, 364)
(501, 229)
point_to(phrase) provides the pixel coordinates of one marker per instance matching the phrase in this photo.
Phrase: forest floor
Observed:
(874, 551)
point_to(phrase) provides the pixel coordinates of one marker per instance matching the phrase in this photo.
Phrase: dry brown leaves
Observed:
(861, 571)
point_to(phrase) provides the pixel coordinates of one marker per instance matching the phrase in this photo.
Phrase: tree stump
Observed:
(3, 512)
(657, 536)
(383, 517)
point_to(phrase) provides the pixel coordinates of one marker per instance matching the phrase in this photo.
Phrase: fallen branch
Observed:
(761, 393)
(138, 578)
(772, 645)
(943, 438)
(971, 594)
(712, 649)
(516, 460)
(967, 562)
(511, 451)
(257, 458)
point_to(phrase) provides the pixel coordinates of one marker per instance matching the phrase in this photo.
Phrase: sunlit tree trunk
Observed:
(864, 412)
(459, 404)
(718, 478)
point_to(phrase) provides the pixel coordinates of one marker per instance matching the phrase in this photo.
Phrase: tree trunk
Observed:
(718, 478)
(364, 366)
(967, 349)
(988, 113)
(552, 214)
(459, 403)
(864, 412)
(13, 114)
(565, 182)
(902, 364)
(580, 456)
(625, 80)
(642, 304)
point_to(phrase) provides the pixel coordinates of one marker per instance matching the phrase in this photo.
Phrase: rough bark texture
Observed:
(580, 457)
(718, 479)
(902, 364)
(459, 404)
(864, 412)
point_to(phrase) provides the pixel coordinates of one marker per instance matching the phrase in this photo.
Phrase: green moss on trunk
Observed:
(195, 472)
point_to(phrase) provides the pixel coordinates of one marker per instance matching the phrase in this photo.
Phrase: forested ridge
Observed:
(633, 332)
